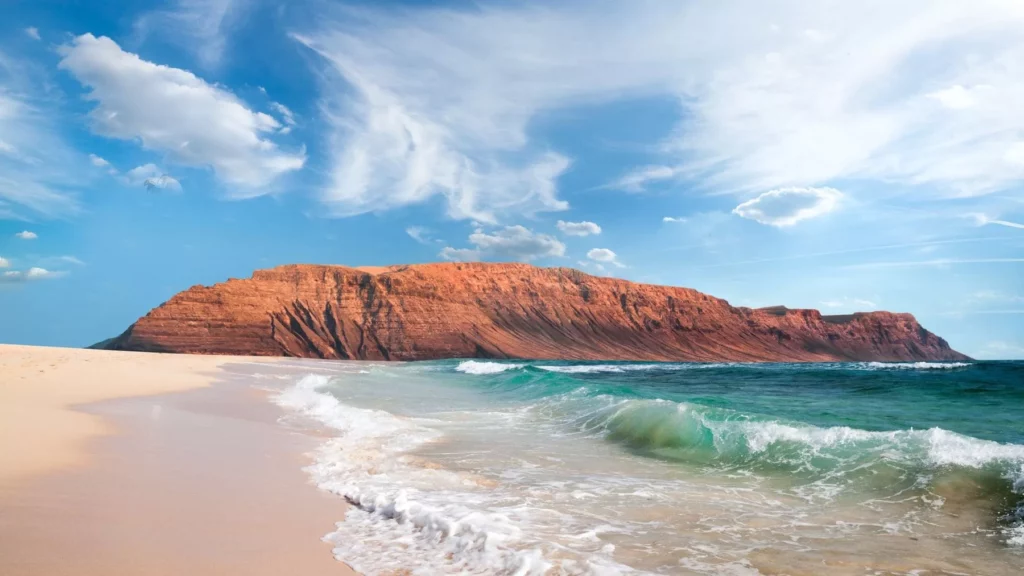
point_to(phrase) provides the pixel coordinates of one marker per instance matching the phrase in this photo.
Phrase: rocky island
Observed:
(481, 310)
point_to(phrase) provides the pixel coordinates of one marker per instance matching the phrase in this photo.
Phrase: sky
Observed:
(846, 156)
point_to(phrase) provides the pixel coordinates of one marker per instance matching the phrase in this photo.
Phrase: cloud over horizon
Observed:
(509, 243)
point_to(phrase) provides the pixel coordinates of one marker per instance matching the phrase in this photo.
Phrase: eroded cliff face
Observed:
(478, 310)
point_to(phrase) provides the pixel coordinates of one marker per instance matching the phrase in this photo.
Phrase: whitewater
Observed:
(571, 468)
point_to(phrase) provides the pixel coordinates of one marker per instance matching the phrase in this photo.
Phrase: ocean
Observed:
(540, 467)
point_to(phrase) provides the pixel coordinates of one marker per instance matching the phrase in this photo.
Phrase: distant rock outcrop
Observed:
(477, 310)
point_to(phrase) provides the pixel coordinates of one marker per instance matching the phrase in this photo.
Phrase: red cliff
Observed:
(429, 311)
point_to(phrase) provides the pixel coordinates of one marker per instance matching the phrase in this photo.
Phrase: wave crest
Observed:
(478, 367)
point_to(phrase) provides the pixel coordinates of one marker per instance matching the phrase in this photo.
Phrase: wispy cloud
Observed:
(851, 304)
(38, 171)
(638, 179)
(33, 33)
(175, 112)
(200, 26)
(941, 262)
(924, 244)
(984, 220)
(443, 97)
(421, 234)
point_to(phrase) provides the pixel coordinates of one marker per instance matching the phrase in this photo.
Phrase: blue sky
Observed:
(846, 156)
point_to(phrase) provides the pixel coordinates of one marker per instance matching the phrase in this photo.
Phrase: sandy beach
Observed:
(134, 463)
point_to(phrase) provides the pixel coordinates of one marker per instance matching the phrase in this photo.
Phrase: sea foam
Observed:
(914, 365)
(480, 368)
(391, 527)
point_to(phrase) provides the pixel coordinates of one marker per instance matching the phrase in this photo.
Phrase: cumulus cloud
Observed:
(4, 263)
(510, 243)
(174, 112)
(637, 180)
(98, 161)
(605, 256)
(33, 33)
(152, 178)
(772, 94)
(30, 275)
(786, 206)
(673, 219)
(578, 228)
(27, 235)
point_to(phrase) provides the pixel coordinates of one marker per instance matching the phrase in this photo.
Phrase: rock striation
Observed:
(479, 310)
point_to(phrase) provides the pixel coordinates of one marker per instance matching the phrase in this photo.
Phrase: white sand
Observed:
(144, 464)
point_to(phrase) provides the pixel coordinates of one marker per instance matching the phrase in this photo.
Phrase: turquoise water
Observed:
(613, 468)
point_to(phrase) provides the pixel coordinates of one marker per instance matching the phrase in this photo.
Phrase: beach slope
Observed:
(135, 463)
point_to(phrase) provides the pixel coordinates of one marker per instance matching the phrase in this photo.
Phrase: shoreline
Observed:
(126, 462)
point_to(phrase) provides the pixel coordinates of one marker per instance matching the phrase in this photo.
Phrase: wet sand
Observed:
(145, 464)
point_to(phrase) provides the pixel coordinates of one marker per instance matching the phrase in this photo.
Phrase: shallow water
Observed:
(622, 468)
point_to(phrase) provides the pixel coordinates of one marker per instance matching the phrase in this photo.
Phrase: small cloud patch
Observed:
(27, 235)
(578, 228)
(30, 275)
(510, 243)
(784, 207)
(605, 256)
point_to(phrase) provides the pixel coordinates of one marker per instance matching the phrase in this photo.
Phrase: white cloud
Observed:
(396, 143)
(939, 263)
(994, 296)
(673, 219)
(578, 228)
(605, 256)
(33, 33)
(459, 254)
(509, 243)
(420, 234)
(982, 220)
(787, 206)
(98, 162)
(4, 263)
(959, 98)
(850, 304)
(771, 95)
(27, 235)
(172, 111)
(36, 166)
(200, 26)
(637, 180)
(152, 178)
(30, 275)
(287, 116)
(162, 182)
